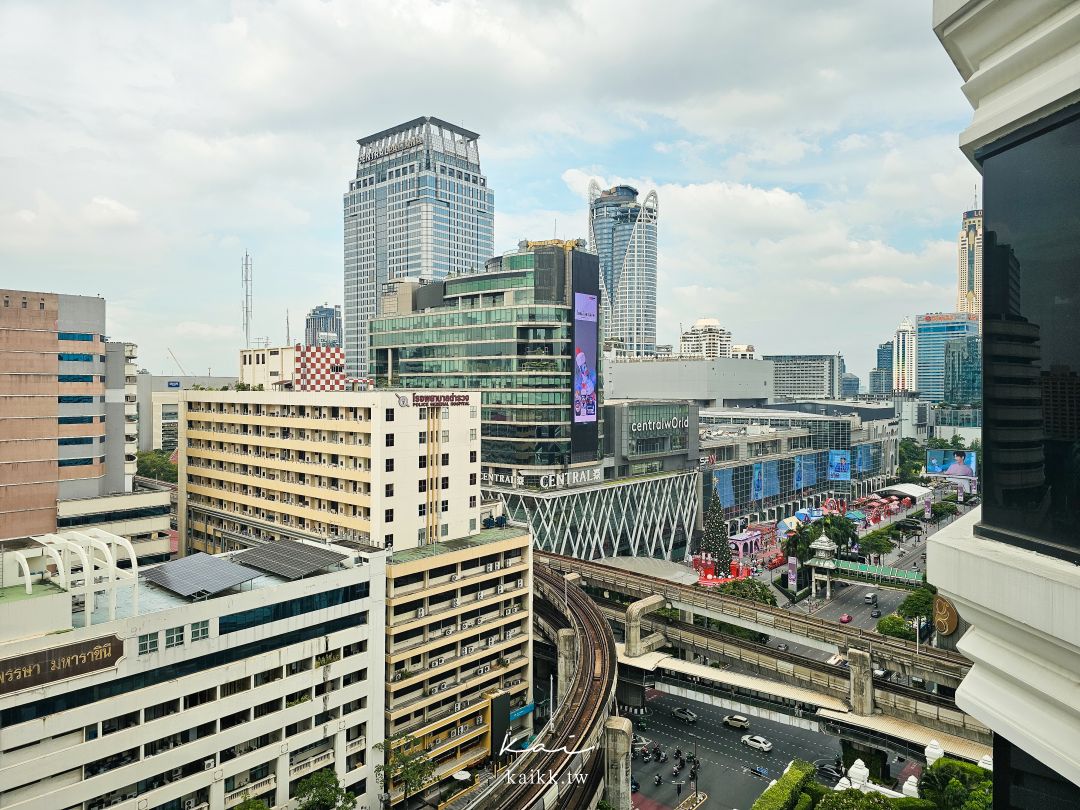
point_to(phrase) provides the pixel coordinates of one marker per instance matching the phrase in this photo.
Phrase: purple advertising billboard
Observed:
(585, 339)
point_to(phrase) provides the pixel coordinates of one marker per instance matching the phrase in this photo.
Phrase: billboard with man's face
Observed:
(585, 401)
(952, 463)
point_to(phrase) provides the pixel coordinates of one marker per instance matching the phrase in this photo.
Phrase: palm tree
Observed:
(932, 784)
(840, 530)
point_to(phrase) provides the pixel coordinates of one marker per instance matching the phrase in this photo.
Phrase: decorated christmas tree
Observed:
(714, 540)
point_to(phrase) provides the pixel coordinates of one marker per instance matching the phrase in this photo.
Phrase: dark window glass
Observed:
(75, 377)
(74, 399)
(75, 336)
(75, 357)
(74, 462)
(70, 440)
(75, 420)
(389, 465)
(1031, 335)
(389, 439)
(287, 610)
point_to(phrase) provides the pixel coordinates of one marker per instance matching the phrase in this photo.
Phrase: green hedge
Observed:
(786, 793)
(911, 803)
(805, 802)
(815, 790)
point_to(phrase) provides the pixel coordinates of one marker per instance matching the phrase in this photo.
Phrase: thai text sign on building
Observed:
(42, 667)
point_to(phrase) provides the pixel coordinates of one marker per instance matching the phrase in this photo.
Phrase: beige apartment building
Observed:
(395, 470)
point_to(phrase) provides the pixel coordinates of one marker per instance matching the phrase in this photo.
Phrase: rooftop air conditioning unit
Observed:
(189, 804)
(443, 687)
(455, 602)
(499, 589)
(448, 631)
(209, 764)
(420, 613)
(455, 577)
(479, 620)
(440, 660)
(479, 721)
(453, 732)
(480, 594)
(489, 568)
(521, 583)
(497, 565)
(433, 664)
(507, 612)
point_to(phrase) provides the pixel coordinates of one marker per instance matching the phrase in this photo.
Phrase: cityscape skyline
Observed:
(803, 181)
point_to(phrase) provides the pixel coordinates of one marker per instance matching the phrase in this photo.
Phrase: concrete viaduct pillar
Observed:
(566, 644)
(634, 613)
(618, 735)
(861, 672)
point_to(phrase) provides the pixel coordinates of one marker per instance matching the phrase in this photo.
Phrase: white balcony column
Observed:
(281, 768)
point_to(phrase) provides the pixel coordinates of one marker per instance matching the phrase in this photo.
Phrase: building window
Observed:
(74, 462)
(472, 434)
(200, 630)
(388, 540)
(445, 482)
(74, 399)
(389, 414)
(444, 506)
(389, 490)
(444, 436)
(472, 456)
(70, 440)
(444, 530)
(422, 462)
(472, 479)
(148, 643)
(421, 485)
(472, 524)
(421, 536)
(174, 637)
(74, 336)
(74, 378)
(472, 501)
(423, 437)
(445, 458)
(421, 510)
(389, 465)
(388, 516)
(389, 439)
(75, 357)
(444, 413)
(472, 411)
(423, 413)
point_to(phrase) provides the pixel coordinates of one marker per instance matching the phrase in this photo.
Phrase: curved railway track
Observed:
(538, 779)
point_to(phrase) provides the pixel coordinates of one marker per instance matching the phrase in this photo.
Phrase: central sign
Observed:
(571, 478)
(675, 423)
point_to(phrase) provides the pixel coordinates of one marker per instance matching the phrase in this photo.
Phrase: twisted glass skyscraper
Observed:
(418, 208)
(622, 231)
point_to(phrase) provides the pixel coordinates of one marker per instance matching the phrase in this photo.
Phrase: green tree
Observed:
(957, 442)
(155, 464)
(798, 544)
(714, 538)
(322, 791)
(841, 530)
(405, 763)
(252, 804)
(893, 625)
(918, 603)
(878, 544)
(751, 589)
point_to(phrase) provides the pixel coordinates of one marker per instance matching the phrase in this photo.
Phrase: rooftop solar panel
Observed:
(289, 559)
(199, 573)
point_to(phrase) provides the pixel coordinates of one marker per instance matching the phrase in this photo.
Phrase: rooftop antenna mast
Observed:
(245, 274)
(288, 334)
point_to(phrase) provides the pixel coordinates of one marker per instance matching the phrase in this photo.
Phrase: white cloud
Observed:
(107, 212)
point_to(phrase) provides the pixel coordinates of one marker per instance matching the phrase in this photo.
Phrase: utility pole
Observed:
(245, 279)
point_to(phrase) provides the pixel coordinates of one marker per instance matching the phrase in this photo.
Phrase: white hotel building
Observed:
(190, 685)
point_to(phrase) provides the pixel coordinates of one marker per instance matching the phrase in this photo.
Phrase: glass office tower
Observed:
(622, 232)
(419, 207)
(933, 333)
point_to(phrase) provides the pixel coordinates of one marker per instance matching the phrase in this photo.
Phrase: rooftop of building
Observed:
(482, 538)
(408, 126)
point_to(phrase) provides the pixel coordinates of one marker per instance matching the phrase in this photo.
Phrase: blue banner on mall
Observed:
(796, 474)
(757, 482)
(772, 478)
(524, 710)
(839, 465)
(724, 486)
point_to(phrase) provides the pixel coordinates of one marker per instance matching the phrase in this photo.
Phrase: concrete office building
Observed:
(905, 359)
(192, 684)
(933, 333)
(622, 232)
(395, 470)
(969, 281)
(158, 400)
(849, 385)
(294, 368)
(68, 424)
(880, 382)
(1009, 568)
(419, 207)
(706, 338)
(322, 327)
(799, 376)
(766, 464)
(721, 382)
(744, 351)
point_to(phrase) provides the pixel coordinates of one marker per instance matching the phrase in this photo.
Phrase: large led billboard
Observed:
(585, 379)
(839, 465)
(959, 465)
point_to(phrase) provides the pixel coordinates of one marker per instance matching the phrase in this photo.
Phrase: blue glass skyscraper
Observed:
(933, 332)
(418, 208)
(622, 232)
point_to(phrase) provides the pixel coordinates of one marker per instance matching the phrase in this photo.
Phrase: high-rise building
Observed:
(885, 356)
(1008, 569)
(810, 376)
(933, 332)
(849, 385)
(420, 208)
(69, 424)
(880, 381)
(706, 338)
(394, 470)
(322, 327)
(969, 284)
(622, 232)
(524, 332)
(904, 362)
(196, 683)
(159, 406)
(744, 351)
(963, 371)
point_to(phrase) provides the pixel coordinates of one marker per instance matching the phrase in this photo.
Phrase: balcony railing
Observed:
(234, 797)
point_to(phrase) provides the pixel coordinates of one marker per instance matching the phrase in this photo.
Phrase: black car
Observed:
(634, 785)
(875, 614)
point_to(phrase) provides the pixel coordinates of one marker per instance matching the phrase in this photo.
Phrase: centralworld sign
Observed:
(675, 423)
(43, 667)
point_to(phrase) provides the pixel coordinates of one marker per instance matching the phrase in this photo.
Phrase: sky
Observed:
(805, 154)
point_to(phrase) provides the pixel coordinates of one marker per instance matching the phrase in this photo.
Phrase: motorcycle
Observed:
(646, 757)
(663, 757)
(657, 779)
(678, 753)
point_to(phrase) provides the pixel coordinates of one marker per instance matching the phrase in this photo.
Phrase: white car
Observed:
(756, 741)
(736, 721)
(685, 715)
